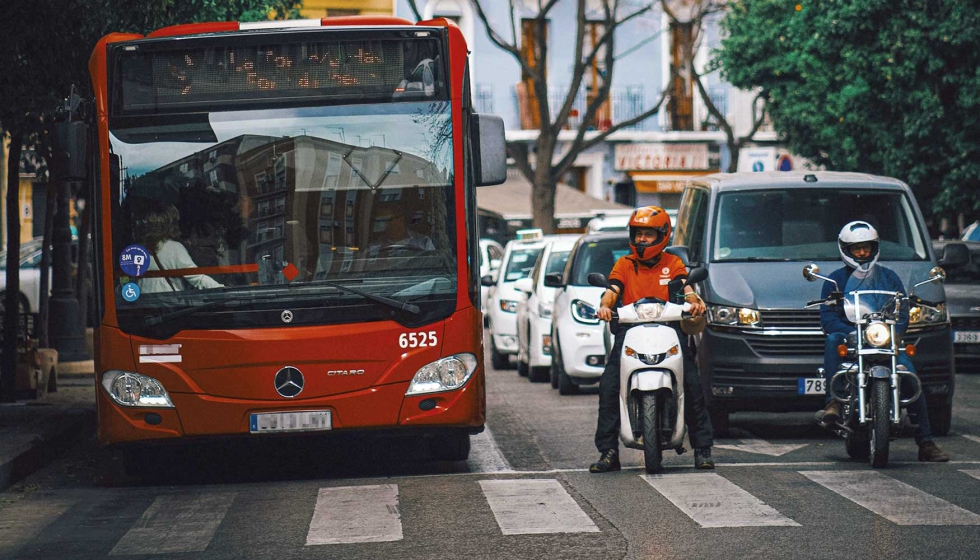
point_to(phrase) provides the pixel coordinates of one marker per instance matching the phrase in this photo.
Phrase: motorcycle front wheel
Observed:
(652, 451)
(880, 422)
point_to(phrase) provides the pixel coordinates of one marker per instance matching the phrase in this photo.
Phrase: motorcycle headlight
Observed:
(544, 310)
(133, 389)
(877, 335)
(445, 374)
(927, 315)
(508, 306)
(733, 316)
(583, 312)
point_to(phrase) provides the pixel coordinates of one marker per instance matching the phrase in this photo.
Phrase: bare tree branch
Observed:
(519, 151)
(502, 43)
(415, 10)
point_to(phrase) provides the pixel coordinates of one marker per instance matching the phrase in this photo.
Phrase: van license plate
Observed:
(306, 421)
(966, 336)
(811, 386)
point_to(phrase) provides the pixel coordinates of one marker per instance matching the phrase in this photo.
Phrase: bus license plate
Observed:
(811, 386)
(306, 421)
(966, 336)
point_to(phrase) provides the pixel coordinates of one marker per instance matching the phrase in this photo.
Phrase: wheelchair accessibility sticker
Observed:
(134, 260)
(131, 292)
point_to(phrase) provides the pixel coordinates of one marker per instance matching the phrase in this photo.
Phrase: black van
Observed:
(754, 232)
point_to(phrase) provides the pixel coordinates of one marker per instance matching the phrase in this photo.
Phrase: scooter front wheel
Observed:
(652, 450)
(880, 422)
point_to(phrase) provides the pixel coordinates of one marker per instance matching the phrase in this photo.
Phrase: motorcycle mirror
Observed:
(937, 274)
(810, 272)
(598, 280)
(696, 275)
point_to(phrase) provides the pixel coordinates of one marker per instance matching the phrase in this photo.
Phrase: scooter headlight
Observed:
(649, 311)
(877, 335)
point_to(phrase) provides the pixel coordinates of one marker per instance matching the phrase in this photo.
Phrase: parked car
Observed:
(30, 276)
(535, 308)
(618, 222)
(754, 232)
(963, 306)
(491, 254)
(578, 348)
(519, 257)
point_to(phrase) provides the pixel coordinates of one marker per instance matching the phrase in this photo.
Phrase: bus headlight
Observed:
(877, 335)
(445, 374)
(133, 389)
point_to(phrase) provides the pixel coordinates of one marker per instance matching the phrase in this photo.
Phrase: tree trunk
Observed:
(543, 189)
(734, 148)
(8, 373)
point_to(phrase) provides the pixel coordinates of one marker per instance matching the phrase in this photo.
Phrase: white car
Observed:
(491, 255)
(618, 222)
(578, 346)
(519, 257)
(30, 276)
(534, 310)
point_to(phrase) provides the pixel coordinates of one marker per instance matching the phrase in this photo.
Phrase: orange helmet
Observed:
(655, 218)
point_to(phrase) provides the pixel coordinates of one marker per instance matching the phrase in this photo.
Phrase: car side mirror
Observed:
(487, 280)
(524, 285)
(598, 280)
(697, 275)
(553, 280)
(681, 252)
(489, 150)
(955, 254)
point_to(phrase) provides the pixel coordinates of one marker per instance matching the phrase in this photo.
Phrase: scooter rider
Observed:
(647, 272)
(859, 244)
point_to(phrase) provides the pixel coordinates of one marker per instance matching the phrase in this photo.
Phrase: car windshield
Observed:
(291, 200)
(556, 262)
(521, 263)
(803, 224)
(597, 256)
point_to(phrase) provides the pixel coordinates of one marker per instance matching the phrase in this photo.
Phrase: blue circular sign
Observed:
(131, 291)
(758, 166)
(134, 260)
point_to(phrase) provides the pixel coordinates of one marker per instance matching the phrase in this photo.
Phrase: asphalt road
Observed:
(783, 489)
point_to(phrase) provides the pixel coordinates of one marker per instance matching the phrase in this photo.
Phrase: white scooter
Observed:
(651, 374)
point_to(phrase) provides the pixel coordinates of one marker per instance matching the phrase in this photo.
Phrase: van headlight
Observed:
(733, 316)
(445, 374)
(584, 312)
(133, 389)
(877, 335)
(922, 315)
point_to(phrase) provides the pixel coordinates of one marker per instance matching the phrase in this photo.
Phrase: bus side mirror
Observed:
(489, 150)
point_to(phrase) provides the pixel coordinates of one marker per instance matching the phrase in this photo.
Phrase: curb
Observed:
(56, 434)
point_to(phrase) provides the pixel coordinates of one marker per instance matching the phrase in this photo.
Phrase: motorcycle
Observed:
(872, 408)
(651, 378)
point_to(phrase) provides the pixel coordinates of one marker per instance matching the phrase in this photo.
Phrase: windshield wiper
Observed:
(233, 301)
(393, 303)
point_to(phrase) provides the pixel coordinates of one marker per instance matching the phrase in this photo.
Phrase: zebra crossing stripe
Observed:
(356, 514)
(523, 507)
(975, 473)
(176, 523)
(713, 501)
(485, 456)
(24, 520)
(892, 499)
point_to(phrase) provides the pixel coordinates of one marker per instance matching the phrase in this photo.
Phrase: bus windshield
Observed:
(293, 204)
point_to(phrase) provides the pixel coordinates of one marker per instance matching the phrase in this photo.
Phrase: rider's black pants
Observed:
(695, 411)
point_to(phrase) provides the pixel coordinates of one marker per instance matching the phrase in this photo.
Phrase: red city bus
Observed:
(289, 237)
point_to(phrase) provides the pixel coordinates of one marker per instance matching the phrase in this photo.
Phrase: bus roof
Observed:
(227, 26)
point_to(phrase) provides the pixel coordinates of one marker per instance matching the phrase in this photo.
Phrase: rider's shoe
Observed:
(702, 458)
(609, 461)
(831, 413)
(929, 452)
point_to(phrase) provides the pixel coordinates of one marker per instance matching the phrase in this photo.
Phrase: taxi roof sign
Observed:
(529, 234)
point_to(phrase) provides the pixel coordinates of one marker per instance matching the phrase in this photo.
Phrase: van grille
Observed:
(787, 345)
(791, 318)
(965, 322)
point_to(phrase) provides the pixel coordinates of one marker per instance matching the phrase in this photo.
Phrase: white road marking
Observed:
(971, 438)
(894, 500)
(22, 521)
(176, 523)
(524, 507)
(975, 473)
(356, 514)
(485, 456)
(713, 501)
(762, 447)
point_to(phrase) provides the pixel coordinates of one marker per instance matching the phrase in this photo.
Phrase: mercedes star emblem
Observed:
(287, 316)
(289, 382)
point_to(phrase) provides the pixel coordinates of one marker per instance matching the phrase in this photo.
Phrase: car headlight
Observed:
(133, 389)
(508, 306)
(877, 335)
(544, 310)
(445, 374)
(733, 316)
(927, 315)
(584, 312)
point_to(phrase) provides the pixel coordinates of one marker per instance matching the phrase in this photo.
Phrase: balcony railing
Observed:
(624, 103)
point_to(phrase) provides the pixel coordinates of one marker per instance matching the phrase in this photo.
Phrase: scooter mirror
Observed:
(937, 274)
(696, 275)
(598, 280)
(810, 272)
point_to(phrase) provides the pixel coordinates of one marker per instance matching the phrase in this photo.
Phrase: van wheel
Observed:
(555, 362)
(719, 420)
(565, 385)
(538, 374)
(940, 419)
(499, 361)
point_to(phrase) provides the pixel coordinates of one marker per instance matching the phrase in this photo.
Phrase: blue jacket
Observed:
(832, 317)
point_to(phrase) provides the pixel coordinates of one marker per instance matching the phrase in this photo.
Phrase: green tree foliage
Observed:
(881, 86)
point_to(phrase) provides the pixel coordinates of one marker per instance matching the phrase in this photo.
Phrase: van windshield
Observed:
(802, 224)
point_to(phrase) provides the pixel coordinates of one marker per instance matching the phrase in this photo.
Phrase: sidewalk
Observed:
(33, 432)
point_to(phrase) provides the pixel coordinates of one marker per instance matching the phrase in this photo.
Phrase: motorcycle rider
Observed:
(858, 242)
(648, 272)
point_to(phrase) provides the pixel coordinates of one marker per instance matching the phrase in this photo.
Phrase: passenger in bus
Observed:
(158, 232)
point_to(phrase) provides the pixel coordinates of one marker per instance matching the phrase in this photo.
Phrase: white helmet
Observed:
(858, 232)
